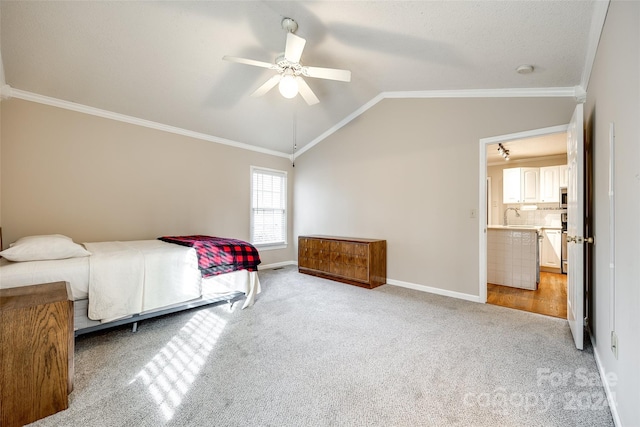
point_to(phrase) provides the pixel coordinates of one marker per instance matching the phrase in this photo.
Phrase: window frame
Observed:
(273, 172)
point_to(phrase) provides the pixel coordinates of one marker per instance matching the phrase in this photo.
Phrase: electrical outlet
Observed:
(614, 344)
(473, 213)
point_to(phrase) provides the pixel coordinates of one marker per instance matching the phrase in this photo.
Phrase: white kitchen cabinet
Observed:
(550, 248)
(530, 184)
(549, 184)
(563, 175)
(520, 185)
(511, 185)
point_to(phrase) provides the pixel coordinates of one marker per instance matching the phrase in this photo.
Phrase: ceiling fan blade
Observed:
(327, 73)
(267, 86)
(250, 62)
(294, 47)
(306, 92)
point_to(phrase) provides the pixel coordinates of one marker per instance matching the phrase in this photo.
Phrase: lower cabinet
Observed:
(550, 256)
(360, 262)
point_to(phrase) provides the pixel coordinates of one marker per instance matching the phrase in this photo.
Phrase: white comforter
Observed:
(136, 276)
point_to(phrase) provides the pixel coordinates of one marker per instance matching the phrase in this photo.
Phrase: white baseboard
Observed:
(423, 288)
(607, 387)
(432, 290)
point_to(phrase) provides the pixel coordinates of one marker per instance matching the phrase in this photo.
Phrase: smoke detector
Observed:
(525, 69)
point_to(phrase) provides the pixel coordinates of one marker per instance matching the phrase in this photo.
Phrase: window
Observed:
(268, 207)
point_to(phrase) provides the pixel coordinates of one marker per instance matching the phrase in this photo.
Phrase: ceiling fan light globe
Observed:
(288, 86)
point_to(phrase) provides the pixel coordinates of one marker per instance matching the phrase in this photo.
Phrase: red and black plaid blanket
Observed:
(217, 255)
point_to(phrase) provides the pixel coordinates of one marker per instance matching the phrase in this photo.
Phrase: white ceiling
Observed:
(162, 61)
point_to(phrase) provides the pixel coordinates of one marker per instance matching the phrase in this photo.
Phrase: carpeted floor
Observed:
(313, 352)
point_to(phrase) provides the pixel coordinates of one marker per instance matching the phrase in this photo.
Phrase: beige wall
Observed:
(1, 240)
(96, 179)
(613, 96)
(407, 171)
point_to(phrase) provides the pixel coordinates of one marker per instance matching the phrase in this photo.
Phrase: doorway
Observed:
(550, 296)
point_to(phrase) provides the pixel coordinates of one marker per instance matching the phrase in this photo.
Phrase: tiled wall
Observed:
(512, 258)
(543, 216)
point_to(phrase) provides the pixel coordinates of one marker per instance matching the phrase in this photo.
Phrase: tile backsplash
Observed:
(548, 216)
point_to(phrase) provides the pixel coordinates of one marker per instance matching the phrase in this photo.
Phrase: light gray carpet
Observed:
(313, 352)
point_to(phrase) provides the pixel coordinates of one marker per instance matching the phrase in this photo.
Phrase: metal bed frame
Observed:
(229, 298)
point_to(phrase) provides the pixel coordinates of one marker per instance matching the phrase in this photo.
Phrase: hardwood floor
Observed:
(550, 298)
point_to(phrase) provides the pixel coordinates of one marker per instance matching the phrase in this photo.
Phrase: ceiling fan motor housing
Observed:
(285, 64)
(289, 24)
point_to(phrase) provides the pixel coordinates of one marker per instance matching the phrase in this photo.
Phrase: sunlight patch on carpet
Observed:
(169, 375)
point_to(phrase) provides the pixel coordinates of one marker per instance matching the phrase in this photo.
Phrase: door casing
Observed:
(482, 217)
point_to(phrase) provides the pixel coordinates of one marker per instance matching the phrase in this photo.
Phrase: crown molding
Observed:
(3, 82)
(5, 89)
(561, 92)
(486, 93)
(601, 7)
(5, 92)
(576, 92)
(55, 102)
(581, 95)
(340, 124)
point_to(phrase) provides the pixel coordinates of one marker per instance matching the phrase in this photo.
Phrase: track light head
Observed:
(503, 151)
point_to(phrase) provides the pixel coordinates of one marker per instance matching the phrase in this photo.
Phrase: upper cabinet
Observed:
(550, 184)
(563, 175)
(520, 185)
(533, 185)
(511, 185)
(530, 184)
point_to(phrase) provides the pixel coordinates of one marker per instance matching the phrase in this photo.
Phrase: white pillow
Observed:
(39, 248)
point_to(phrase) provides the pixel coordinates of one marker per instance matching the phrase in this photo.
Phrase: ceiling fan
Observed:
(290, 70)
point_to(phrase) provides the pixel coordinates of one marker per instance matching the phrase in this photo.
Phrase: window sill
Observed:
(268, 247)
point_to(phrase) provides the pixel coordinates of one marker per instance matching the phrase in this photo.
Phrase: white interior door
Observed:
(575, 226)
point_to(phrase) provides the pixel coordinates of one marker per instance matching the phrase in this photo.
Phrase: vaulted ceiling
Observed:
(162, 61)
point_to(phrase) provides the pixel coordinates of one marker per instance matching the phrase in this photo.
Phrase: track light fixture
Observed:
(503, 151)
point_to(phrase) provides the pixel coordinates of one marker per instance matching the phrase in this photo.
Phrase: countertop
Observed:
(515, 227)
(525, 227)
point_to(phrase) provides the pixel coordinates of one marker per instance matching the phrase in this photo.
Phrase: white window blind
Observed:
(268, 207)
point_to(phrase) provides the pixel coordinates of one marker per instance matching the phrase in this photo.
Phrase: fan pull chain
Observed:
(295, 145)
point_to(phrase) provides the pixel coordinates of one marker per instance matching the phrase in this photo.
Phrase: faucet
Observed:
(507, 210)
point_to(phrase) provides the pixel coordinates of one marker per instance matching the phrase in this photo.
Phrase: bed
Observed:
(121, 282)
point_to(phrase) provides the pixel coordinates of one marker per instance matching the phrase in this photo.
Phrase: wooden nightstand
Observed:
(36, 352)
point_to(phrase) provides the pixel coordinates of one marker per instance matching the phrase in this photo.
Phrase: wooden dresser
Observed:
(360, 262)
(36, 352)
